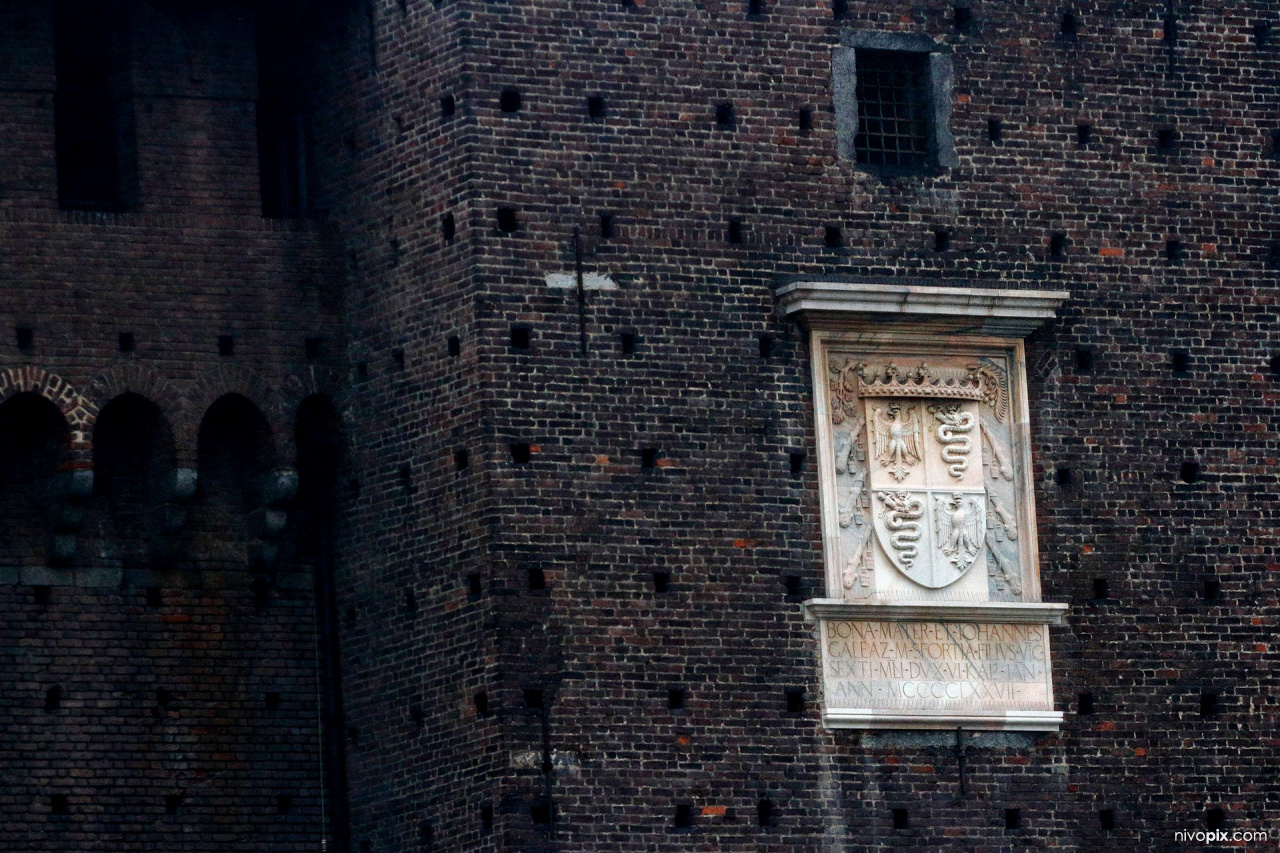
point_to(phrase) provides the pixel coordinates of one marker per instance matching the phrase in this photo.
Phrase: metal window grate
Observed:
(891, 109)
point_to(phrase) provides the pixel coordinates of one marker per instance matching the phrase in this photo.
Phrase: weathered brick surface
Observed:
(719, 510)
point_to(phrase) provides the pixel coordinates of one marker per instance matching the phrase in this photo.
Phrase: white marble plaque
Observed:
(935, 666)
(932, 616)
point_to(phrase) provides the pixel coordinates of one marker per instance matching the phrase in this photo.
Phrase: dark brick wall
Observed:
(162, 677)
(719, 511)
(509, 575)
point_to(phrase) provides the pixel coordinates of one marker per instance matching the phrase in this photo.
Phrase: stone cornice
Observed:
(844, 304)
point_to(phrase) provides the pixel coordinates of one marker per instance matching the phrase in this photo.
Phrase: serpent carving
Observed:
(901, 511)
(954, 426)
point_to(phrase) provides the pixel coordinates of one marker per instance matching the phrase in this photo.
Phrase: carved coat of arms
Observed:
(921, 476)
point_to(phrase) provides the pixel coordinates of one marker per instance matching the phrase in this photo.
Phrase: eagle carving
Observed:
(895, 437)
(959, 521)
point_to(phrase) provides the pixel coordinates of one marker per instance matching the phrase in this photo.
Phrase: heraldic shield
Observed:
(928, 501)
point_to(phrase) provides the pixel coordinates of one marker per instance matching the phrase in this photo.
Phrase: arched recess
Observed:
(35, 444)
(321, 445)
(235, 453)
(78, 412)
(133, 459)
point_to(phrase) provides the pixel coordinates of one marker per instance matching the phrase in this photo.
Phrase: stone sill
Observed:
(995, 612)
(1009, 721)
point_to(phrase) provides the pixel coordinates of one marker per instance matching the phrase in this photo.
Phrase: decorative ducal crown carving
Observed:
(890, 380)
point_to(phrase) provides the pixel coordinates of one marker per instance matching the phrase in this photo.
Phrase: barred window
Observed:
(892, 125)
(893, 102)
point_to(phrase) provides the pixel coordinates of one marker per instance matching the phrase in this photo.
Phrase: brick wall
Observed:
(541, 552)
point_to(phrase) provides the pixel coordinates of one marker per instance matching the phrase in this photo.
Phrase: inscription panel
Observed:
(941, 666)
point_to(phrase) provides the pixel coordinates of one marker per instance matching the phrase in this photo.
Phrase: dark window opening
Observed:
(52, 698)
(172, 802)
(724, 115)
(448, 106)
(312, 347)
(764, 812)
(941, 241)
(455, 346)
(1063, 477)
(1012, 818)
(1208, 703)
(627, 340)
(1101, 589)
(1084, 134)
(661, 581)
(448, 228)
(509, 101)
(900, 820)
(126, 342)
(226, 345)
(1084, 360)
(795, 700)
(1166, 140)
(649, 458)
(1215, 818)
(833, 237)
(486, 819)
(796, 459)
(1189, 472)
(520, 337)
(733, 234)
(766, 346)
(839, 8)
(460, 459)
(537, 579)
(962, 19)
(521, 453)
(755, 8)
(1084, 703)
(675, 698)
(606, 226)
(272, 701)
(995, 130)
(1180, 361)
(1070, 25)
(1174, 251)
(532, 697)
(1273, 256)
(595, 106)
(285, 161)
(540, 811)
(474, 586)
(792, 585)
(284, 803)
(684, 816)
(60, 804)
(25, 337)
(804, 120)
(481, 702)
(1212, 590)
(892, 99)
(93, 108)
(1170, 37)
(1106, 819)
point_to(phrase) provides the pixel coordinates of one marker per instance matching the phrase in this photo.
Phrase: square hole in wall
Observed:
(521, 337)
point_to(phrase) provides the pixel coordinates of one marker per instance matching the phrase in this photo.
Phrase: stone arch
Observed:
(229, 379)
(298, 387)
(80, 412)
(145, 382)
